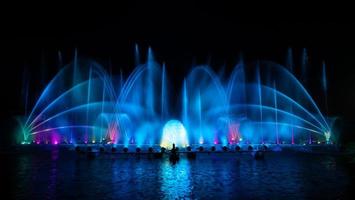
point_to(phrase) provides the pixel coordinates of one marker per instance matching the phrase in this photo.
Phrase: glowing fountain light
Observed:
(327, 136)
(174, 132)
(113, 132)
(201, 140)
(234, 134)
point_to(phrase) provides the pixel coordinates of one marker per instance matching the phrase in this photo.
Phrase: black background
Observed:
(180, 34)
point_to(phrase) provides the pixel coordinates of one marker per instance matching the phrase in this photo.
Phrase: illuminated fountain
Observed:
(261, 103)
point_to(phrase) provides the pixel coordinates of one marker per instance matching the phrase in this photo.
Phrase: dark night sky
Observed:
(179, 35)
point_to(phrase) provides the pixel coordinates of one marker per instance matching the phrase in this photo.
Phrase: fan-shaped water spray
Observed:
(261, 103)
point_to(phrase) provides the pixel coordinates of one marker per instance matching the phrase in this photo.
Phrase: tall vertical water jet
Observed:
(88, 107)
(289, 60)
(75, 68)
(74, 82)
(304, 66)
(260, 102)
(136, 55)
(276, 119)
(149, 82)
(60, 59)
(199, 112)
(185, 119)
(290, 66)
(243, 83)
(102, 110)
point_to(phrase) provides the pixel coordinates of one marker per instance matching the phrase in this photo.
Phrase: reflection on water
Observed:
(53, 175)
(175, 180)
(60, 175)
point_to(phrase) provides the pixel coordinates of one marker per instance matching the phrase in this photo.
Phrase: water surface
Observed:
(58, 174)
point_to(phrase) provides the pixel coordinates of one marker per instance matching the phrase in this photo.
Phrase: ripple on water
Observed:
(209, 176)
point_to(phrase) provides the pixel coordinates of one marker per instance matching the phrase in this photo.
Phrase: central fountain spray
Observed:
(83, 104)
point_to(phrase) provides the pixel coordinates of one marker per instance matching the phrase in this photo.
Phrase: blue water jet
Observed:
(255, 103)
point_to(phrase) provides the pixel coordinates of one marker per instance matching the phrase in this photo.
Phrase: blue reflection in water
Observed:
(55, 175)
(176, 179)
(52, 182)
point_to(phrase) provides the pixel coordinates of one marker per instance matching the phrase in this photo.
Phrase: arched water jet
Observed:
(83, 103)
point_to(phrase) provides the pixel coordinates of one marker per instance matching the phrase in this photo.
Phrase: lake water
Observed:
(58, 174)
